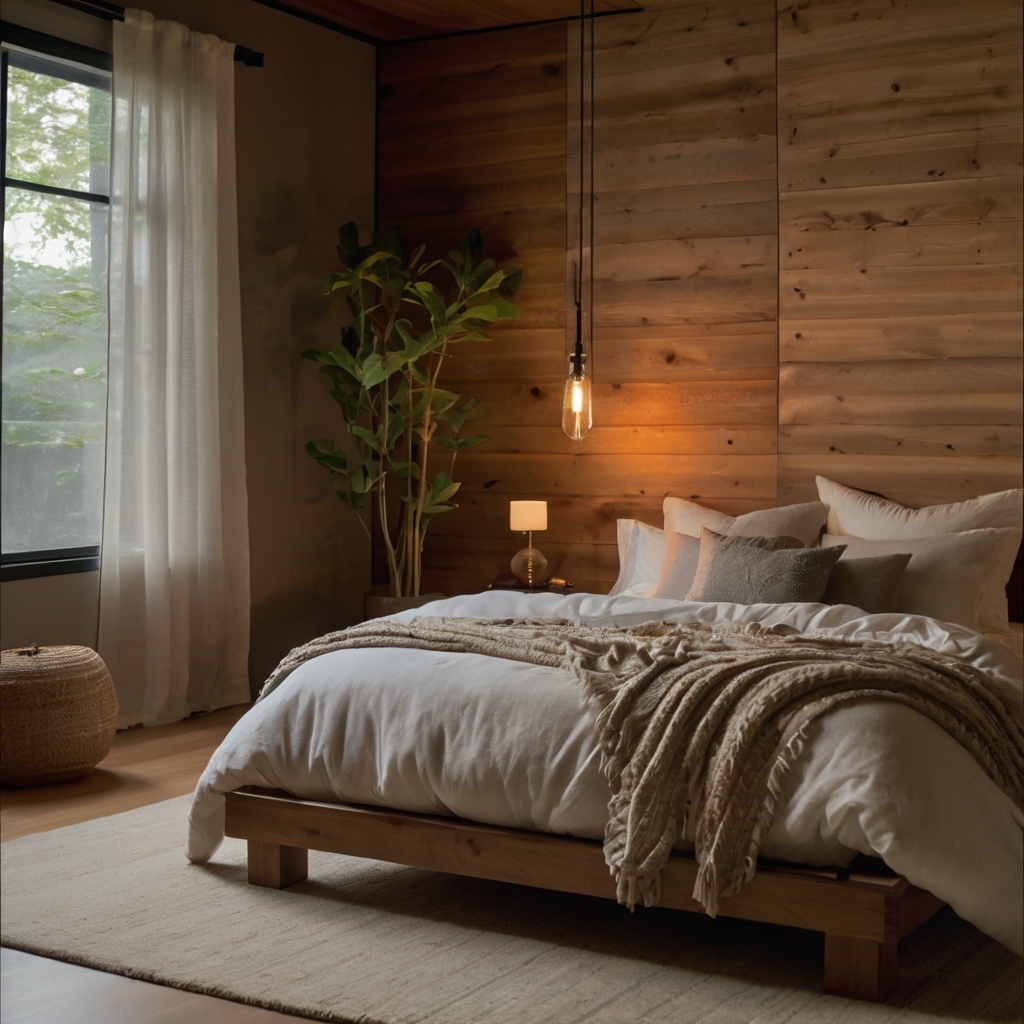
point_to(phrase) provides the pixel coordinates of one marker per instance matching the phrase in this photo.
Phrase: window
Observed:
(56, 140)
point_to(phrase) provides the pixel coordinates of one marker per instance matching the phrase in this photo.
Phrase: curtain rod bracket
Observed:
(250, 58)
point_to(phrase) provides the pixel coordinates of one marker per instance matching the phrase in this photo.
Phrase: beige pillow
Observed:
(805, 522)
(872, 584)
(859, 514)
(671, 579)
(946, 576)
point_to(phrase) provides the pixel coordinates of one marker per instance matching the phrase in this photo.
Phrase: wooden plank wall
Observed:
(900, 166)
(685, 268)
(892, 360)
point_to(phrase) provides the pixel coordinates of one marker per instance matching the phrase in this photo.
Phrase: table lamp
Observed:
(529, 564)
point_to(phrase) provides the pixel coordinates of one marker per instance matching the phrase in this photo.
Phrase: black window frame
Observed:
(22, 565)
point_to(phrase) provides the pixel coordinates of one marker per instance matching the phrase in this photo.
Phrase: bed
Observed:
(489, 767)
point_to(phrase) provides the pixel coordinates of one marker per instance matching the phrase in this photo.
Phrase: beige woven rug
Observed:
(366, 942)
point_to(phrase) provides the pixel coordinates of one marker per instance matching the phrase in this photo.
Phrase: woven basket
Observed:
(58, 714)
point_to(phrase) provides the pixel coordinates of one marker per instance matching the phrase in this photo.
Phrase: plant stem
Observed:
(428, 430)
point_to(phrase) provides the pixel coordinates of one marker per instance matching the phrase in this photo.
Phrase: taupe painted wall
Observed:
(305, 134)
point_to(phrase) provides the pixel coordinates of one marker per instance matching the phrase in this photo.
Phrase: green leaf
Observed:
(327, 455)
(395, 429)
(458, 443)
(366, 437)
(417, 255)
(402, 468)
(492, 282)
(511, 284)
(435, 306)
(441, 490)
(487, 312)
(372, 371)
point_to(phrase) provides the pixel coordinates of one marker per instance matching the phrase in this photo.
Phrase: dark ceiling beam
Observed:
(401, 30)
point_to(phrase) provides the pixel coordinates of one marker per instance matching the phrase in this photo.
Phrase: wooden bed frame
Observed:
(863, 916)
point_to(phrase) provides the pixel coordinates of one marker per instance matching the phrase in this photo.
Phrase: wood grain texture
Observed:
(474, 133)
(860, 914)
(852, 308)
(804, 898)
(900, 247)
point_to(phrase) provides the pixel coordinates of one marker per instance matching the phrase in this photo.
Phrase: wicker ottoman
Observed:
(58, 714)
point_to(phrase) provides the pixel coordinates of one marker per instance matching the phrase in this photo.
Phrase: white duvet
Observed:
(511, 744)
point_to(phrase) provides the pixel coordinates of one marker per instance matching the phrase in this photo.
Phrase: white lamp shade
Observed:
(527, 515)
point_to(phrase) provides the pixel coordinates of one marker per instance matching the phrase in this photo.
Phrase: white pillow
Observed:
(947, 576)
(679, 567)
(641, 552)
(856, 513)
(804, 522)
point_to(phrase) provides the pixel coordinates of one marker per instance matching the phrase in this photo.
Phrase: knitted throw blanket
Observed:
(706, 720)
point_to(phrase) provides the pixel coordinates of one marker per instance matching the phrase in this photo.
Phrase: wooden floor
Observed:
(144, 767)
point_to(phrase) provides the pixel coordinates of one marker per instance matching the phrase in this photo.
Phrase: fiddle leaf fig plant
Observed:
(384, 377)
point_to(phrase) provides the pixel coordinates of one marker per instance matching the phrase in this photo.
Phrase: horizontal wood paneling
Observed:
(529, 403)
(912, 480)
(852, 308)
(900, 247)
(685, 263)
(920, 337)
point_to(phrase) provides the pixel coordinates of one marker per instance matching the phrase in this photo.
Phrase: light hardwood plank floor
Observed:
(144, 767)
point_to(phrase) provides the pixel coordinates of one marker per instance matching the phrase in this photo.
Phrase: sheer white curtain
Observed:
(174, 572)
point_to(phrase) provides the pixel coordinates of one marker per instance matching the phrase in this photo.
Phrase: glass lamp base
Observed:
(529, 565)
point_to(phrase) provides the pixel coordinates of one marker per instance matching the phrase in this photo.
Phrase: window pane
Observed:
(58, 131)
(54, 371)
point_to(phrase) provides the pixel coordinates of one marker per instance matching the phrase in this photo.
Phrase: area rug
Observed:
(363, 942)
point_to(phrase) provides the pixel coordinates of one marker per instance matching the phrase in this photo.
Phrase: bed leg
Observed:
(276, 866)
(860, 968)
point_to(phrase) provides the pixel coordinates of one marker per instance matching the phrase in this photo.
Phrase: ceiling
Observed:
(397, 20)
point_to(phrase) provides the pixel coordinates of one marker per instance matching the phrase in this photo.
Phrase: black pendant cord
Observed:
(577, 357)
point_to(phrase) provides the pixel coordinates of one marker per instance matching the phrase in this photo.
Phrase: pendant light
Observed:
(577, 415)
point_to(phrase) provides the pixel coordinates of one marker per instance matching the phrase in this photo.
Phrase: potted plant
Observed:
(384, 377)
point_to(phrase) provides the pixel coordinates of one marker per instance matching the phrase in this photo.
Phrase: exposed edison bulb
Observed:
(576, 406)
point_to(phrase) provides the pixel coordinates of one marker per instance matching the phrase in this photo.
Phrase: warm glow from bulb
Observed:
(576, 411)
(577, 396)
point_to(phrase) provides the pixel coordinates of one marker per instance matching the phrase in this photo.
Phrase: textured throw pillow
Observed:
(710, 542)
(946, 576)
(743, 574)
(872, 584)
(641, 554)
(858, 514)
(805, 522)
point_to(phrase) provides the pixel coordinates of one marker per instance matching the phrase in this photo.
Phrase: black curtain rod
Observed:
(113, 12)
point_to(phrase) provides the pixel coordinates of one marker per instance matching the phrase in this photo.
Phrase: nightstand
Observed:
(511, 583)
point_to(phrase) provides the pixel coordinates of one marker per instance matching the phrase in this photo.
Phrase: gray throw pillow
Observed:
(869, 583)
(742, 574)
(709, 541)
